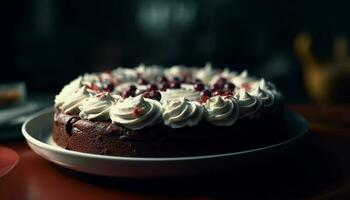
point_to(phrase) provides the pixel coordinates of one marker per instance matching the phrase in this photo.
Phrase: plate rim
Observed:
(49, 147)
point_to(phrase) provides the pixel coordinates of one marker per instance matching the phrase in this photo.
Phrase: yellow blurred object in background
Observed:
(325, 81)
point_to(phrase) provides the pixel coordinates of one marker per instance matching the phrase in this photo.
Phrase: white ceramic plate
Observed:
(37, 131)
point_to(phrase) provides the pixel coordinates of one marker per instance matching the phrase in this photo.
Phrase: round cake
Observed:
(152, 111)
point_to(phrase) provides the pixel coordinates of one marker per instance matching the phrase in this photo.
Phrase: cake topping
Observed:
(125, 74)
(205, 95)
(143, 91)
(188, 86)
(266, 85)
(227, 93)
(248, 105)
(226, 73)
(153, 87)
(96, 108)
(142, 81)
(108, 86)
(162, 79)
(148, 112)
(153, 94)
(164, 86)
(206, 74)
(270, 88)
(229, 86)
(266, 97)
(222, 111)
(68, 90)
(73, 102)
(243, 80)
(150, 72)
(91, 78)
(93, 88)
(171, 94)
(246, 86)
(177, 71)
(199, 86)
(175, 84)
(130, 92)
(181, 112)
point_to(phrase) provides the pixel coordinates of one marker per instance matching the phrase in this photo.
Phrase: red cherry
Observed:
(206, 93)
(176, 79)
(153, 87)
(218, 93)
(197, 81)
(109, 87)
(221, 80)
(186, 79)
(220, 84)
(153, 95)
(147, 95)
(162, 79)
(164, 86)
(204, 99)
(128, 93)
(227, 93)
(217, 86)
(132, 88)
(229, 86)
(142, 81)
(199, 86)
(175, 84)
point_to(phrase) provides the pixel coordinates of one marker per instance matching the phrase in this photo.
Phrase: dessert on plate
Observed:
(153, 111)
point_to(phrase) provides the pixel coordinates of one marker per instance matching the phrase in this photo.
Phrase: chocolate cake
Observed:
(151, 111)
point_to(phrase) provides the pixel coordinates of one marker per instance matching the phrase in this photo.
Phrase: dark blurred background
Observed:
(48, 43)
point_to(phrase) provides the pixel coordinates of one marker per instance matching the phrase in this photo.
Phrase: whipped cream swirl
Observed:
(188, 94)
(242, 78)
(149, 72)
(249, 105)
(226, 73)
(72, 103)
(125, 74)
(136, 112)
(267, 98)
(222, 112)
(270, 87)
(278, 97)
(68, 90)
(181, 112)
(177, 71)
(187, 86)
(266, 85)
(96, 108)
(91, 78)
(206, 74)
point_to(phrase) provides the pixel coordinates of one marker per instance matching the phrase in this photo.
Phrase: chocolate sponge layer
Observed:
(106, 138)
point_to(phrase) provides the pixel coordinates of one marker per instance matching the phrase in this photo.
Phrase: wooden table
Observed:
(319, 169)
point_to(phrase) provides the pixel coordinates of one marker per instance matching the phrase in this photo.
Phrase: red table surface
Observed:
(318, 169)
